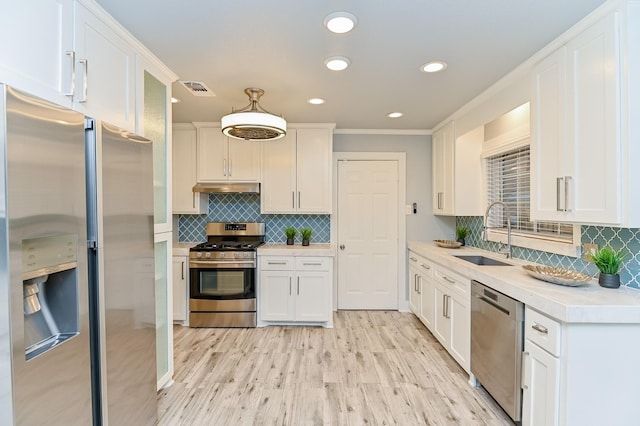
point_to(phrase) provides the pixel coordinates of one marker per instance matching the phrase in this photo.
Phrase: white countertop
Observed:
(323, 250)
(589, 303)
(182, 249)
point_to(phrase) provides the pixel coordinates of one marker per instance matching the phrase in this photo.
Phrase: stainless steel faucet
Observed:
(502, 250)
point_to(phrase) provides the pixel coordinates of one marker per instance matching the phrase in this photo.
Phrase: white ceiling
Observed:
(280, 46)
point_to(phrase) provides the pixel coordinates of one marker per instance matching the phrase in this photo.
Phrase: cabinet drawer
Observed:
(277, 263)
(312, 263)
(423, 265)
(543, 331)
(452, 281)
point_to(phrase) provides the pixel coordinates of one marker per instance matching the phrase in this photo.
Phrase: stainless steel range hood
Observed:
(231, 187)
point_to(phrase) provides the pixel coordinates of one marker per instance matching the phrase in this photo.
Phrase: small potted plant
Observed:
(461, 233)
(290, 232)
(305, 233)
(608, 262)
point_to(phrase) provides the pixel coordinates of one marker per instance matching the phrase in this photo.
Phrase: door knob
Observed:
(341, 246)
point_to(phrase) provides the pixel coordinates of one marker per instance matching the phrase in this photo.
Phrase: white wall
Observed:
(423, 225)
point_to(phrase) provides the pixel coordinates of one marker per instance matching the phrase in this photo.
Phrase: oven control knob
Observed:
(199, 254)
(221, 254)
(207, 254)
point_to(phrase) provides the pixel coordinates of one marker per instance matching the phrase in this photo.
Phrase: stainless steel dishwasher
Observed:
(497, 339)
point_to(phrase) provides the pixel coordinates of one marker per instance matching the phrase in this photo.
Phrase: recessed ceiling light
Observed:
(394, 115)
(175, 100)
(340, 22)
(337, 63)
(316, 101)
(434, 66)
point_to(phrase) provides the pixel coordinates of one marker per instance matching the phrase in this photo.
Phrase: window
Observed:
(508, 181)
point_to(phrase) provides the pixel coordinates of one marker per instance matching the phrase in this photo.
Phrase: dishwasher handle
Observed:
(492, 303)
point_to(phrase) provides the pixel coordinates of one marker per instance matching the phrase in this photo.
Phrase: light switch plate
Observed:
(588, 249)
(407, 209)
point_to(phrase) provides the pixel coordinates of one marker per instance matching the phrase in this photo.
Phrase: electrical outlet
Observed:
(588, 249)
(407, 209)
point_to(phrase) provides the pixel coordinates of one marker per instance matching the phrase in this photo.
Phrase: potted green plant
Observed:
(305, 233)
(608, 262)
(461, 233)
(290, 232)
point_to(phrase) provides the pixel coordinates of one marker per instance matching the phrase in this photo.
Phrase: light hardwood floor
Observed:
(374, 367)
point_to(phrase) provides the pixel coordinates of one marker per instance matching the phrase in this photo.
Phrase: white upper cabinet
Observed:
(184, 161)
(74, 54)
(297, 172)
(38, 58)
(456, 167)
(443, 169)
(226, 159)
(104, 71)
(576, 139)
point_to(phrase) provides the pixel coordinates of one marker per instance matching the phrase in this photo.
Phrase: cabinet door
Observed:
(548, 103)
(540, 388)
(594, 151)
(244, 160)
(212, 155)
(414, 290)
(180, 287)
(428, 300)
(184, 160)
(313, 154)
(37, 36)
(278, 191)
(105, 71)
(443, 163)
(458, 312)
(312, 296)
(276, 296)
(441, 322)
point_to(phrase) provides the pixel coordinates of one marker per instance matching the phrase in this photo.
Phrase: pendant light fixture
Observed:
(253, 123)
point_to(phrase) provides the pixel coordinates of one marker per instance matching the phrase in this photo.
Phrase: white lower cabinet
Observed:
(180, 287)
(295, 289)
(540, 386)
(421, 289)
(440, 299)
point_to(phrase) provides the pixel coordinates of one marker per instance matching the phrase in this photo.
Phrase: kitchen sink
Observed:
(483, 261)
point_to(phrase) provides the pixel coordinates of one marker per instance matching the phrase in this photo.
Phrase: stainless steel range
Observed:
(222, 275)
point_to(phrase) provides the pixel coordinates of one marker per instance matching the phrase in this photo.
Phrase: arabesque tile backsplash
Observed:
(246, 208)
(625, 239)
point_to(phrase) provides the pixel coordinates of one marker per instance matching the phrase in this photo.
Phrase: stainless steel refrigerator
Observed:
(77, 307)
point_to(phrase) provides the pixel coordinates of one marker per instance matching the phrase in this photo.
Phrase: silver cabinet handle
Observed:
(298, 286)
(540, 328)
(440, 196)
(444, 305)
(419, 279)
(230, 165)
(523, 369)
(289, 286)
(415, 283)
(276, 263)
(427, 267)
(413, 259)
(558, 197)
(311, 264)
(72, 85)
(449, 280)
(224, 167)
(298, 199)
(567, 180)
(85, 83)
(293, 199)
(342, 247)
(182, 272)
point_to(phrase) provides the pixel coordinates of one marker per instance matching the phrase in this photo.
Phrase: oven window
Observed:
(222, 283)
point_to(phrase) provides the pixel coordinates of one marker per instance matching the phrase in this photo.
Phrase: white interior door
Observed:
(368, 235)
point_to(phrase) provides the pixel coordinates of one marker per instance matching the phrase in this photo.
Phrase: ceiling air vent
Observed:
(197, 88)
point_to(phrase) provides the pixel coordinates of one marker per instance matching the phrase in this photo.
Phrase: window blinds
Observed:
(508, 180)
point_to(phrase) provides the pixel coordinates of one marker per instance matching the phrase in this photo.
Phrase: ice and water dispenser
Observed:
(50, 289)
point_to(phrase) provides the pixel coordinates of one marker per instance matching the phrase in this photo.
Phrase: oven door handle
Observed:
(221, 265)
